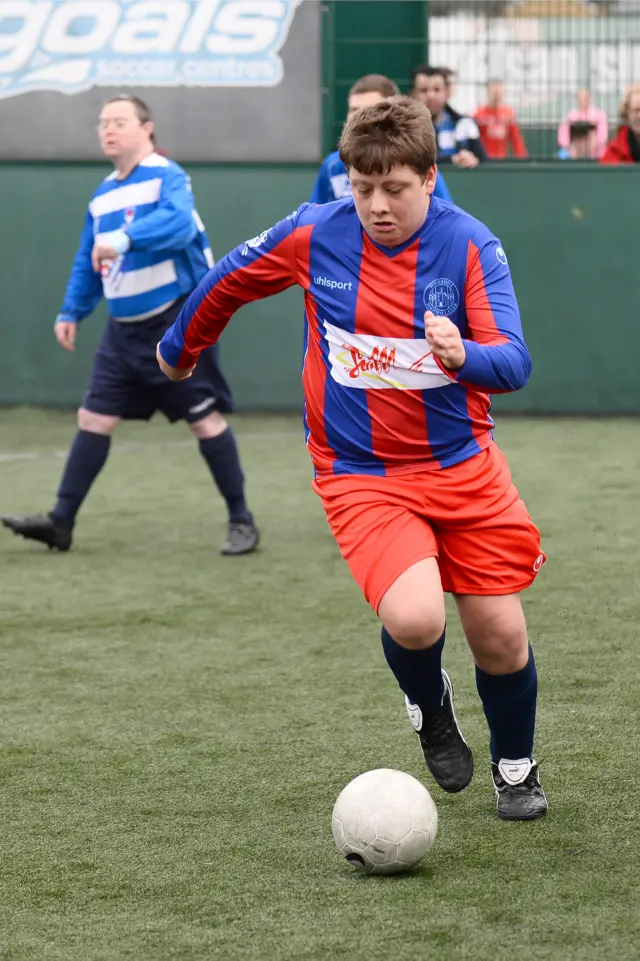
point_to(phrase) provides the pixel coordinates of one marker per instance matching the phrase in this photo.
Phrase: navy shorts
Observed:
(127, 382)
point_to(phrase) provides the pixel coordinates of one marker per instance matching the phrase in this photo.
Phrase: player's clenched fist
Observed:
(444, 340)
(102, 253)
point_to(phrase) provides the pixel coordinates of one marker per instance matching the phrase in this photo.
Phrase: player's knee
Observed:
(416, 624)
(212, 425)
(502, 649)
(413, 610)
(503, 655)
(96, 423)
(496, 630)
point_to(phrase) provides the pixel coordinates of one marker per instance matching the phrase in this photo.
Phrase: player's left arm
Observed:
(496, 356)
(172, 224)
(492, 357)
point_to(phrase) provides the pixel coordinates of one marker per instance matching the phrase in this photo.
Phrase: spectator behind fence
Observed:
(586, 112)
(624, 148)
(498, 126)
(450, 78)
(457, 135)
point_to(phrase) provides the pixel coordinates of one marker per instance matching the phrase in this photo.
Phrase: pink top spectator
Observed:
(585, 112)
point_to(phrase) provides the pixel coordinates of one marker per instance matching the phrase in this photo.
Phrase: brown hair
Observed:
(426, 71)
(142, 109)
(624, 106)
(376, 83)
(398, 131)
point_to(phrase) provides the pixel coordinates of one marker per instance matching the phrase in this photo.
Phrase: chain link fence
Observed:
(551, 57)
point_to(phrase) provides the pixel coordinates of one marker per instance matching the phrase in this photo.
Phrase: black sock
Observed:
(509, 702)
(223, 459)
(85, 460)
(419, 673)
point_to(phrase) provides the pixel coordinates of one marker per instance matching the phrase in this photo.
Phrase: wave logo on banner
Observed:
(73, 45)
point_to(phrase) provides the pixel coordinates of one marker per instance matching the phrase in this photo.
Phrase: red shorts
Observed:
(469, 517)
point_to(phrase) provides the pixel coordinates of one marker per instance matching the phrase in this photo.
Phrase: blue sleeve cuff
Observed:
(66, 319)
(474, 363)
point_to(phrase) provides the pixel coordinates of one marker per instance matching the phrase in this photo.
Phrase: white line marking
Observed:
(132, 448)
(27, 455)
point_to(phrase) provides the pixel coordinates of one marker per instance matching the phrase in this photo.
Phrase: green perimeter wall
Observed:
(570, 234)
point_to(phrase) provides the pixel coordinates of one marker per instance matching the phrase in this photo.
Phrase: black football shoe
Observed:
(242, 538)
(41, 527)
(446, 752)
(519, 794)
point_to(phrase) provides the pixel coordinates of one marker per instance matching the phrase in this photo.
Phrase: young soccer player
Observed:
(412, 322)
(332, 182)
(144, 249)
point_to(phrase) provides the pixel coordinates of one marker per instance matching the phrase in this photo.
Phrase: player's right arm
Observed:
(256, 269)
(84, 290)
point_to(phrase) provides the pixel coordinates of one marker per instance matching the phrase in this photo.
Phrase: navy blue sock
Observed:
(86, 458)
(223, 460)
(509, 702)
(419, 673)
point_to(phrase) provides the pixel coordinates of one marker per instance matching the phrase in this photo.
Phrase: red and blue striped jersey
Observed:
(376, 399)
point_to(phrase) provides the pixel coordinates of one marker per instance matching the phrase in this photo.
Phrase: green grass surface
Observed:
(175, 726)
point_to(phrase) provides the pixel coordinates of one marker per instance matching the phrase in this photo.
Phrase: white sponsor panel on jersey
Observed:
(382, 363)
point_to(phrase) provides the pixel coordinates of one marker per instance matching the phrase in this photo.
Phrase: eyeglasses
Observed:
(118, 123)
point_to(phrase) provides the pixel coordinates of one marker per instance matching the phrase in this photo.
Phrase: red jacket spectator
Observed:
(625, 146)
(499, 129)
(621, 149)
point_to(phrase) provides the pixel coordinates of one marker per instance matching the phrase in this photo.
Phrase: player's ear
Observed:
(149, 128)
(430, 179)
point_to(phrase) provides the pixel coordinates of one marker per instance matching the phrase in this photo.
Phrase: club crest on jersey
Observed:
(442, 297)
(129, 215)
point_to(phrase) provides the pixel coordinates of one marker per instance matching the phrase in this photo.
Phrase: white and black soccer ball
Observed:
(384, 822)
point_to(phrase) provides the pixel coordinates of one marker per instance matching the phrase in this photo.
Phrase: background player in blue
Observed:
(332, 181)
(145, 249)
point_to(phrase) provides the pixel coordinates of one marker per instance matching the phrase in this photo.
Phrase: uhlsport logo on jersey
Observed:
(73, 45)
(441, 297)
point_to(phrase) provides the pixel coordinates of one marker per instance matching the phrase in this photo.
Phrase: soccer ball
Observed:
(384, 822)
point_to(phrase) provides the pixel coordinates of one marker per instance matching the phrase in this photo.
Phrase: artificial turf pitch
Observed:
(175, 726)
